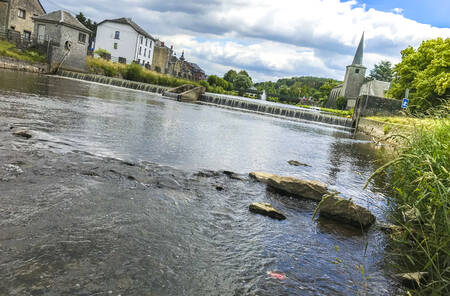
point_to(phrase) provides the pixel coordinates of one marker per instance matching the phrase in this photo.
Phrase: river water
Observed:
(199, 241)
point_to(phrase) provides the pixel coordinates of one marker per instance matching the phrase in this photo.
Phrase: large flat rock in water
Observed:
(314, 190)
(345, 210)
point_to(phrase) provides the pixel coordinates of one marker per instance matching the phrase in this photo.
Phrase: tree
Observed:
(88, 23)
(242, 83)
(426, 72)
(382, 71)
(243, 72)
(326, 88)
(230, 76)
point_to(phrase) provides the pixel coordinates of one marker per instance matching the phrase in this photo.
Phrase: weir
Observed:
(238, 103)
(279, 110)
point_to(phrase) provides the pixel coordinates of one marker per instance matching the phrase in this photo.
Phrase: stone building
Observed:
(355, 83)
(68, 37)
(17, 15)
(161, 57)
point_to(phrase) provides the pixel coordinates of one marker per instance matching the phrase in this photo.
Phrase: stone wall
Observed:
(31, 7)
(371, 105)
(3, 15)
(161, 55)
(13, 64)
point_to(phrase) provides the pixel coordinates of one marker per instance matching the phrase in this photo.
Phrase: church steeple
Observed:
(358, 59)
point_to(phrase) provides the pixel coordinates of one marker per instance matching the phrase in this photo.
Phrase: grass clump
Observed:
(421, 182)
(10, 50)
(133, 72)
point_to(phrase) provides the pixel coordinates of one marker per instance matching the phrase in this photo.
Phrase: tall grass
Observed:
(133, 72)
(421, 182)
(10, 50)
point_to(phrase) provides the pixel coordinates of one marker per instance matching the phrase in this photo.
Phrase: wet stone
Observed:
(297, 163)
(23, 133)
(266, 209)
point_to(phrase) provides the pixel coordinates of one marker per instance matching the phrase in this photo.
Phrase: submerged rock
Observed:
(297, 163)
(342, 209)
(23, 133)
(301, 188)
(266, 209)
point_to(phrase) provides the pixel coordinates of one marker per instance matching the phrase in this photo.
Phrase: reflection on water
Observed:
(224, 251)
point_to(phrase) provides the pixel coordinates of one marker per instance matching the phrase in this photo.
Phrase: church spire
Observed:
(358, 59)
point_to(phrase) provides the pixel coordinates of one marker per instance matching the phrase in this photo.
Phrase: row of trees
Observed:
(232, 80)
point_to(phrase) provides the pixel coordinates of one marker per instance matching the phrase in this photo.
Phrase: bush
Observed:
(341, 103)
(103, 53)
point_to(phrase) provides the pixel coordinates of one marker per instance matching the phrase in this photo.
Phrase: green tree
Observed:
(230, 76)
(243, 72)
(242, 83)
(382, 71)
(326, 88)
(88, 23)
(426, 72)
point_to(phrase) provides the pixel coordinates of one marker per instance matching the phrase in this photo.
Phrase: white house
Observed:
(126, 41)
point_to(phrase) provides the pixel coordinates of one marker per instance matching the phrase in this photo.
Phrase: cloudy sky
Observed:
(273, 39)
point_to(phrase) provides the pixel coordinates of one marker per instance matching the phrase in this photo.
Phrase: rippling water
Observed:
(193, 240)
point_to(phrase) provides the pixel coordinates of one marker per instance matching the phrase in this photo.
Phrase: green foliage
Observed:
(273, 99)
(426, 72)
(9, 50)
(341, 103)
(216, 81)
(243, 72)
(103, 53)
(88, 23)
(230, 76)
(242, 83)
(382, 71)
(421, 182)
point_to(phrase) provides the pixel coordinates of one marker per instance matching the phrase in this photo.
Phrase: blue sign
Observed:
(405, 103)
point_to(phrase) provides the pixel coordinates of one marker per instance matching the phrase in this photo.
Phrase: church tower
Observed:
(354, 76)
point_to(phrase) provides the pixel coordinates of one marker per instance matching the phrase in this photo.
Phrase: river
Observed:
(177, 235)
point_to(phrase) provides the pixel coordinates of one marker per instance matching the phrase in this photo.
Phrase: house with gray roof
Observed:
(126, 41)
(68, 40)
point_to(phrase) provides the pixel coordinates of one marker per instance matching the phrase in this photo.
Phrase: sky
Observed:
(278, 39)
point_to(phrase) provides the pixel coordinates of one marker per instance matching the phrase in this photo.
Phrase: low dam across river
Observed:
(233, 102)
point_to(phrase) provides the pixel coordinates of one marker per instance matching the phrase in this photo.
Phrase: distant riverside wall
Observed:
(13, 64)
(114, 81)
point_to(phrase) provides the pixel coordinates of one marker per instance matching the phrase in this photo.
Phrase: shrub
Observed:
(103, 53)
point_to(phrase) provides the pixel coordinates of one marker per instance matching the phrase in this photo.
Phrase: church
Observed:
(355, 82)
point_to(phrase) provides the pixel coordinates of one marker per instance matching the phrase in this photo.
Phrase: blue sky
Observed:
(282, 38)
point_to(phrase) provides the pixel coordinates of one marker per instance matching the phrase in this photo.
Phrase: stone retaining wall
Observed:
(13, 64)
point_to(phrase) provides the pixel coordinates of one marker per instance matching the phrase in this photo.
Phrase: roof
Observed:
(358, 59)
(196, 67)
(129, 21)
(62, 17)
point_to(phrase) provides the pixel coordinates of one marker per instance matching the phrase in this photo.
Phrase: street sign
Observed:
(405, 103)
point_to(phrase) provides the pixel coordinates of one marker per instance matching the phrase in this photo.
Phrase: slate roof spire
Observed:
(358, 59)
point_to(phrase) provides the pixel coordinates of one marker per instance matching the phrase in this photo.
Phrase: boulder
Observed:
(23, 133)
(297, 163)
(301, 188)
(342, 209)
(266, 210)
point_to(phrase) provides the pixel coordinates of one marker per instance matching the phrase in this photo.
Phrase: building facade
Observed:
(17, 15)
(69, 40)
(355, 83)
(126, 41)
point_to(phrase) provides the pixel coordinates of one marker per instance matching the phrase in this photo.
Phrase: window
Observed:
(357, 71)
(122, 60)
(82, 38)
(117, 35)
(21, 13)
(115, 46)
(27, 35)
(149, 52)
(150, 43)
(140, 50)
(142, 39)
(146, 42)
(145, 52)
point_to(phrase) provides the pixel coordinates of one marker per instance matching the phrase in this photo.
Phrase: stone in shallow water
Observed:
(412, 279)
(342, 209)
(301, 188)
(266, 209)
(297, 163)
(23, 133)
